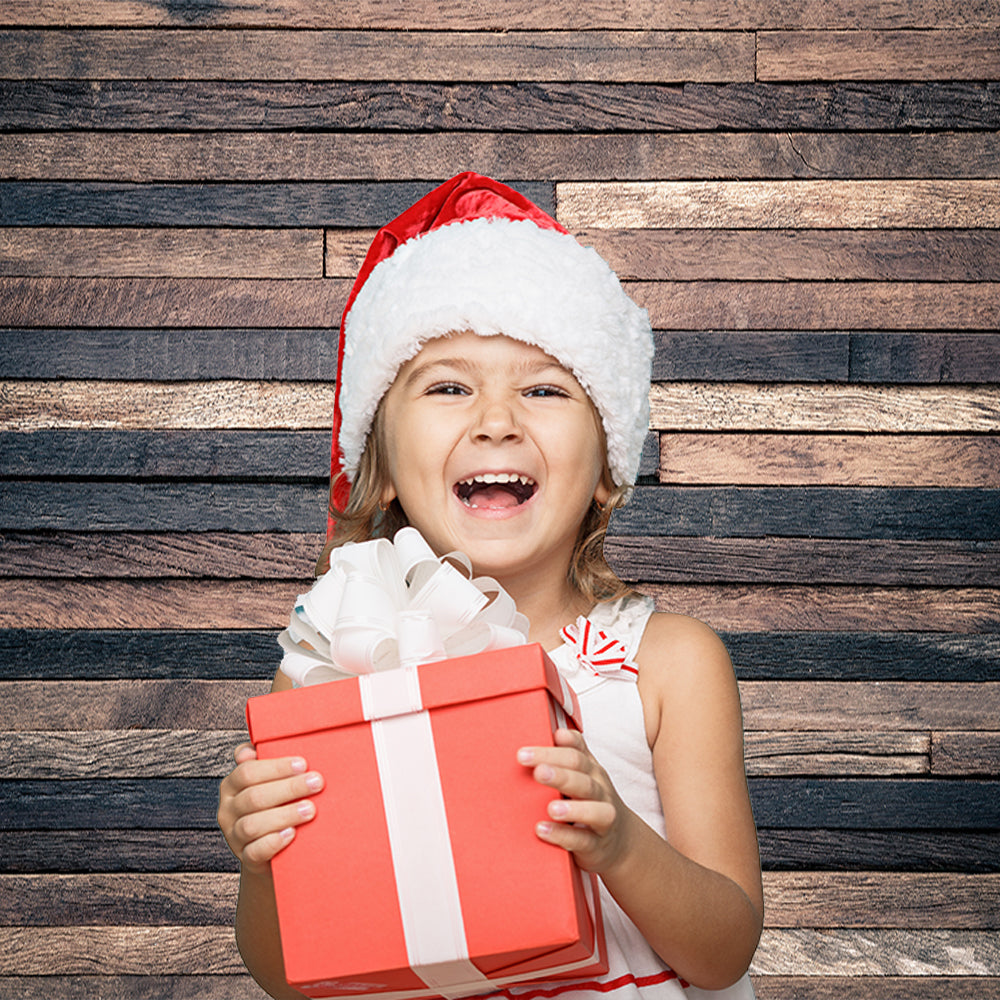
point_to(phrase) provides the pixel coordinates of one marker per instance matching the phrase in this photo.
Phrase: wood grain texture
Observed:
(199, 604)
(182, 253)
(232, 404)
(152, 654)
(815, 111)
(857, 754)
(966, 753)
(695, 14)
(516, 154)
(923, 460)
(887, 987)
(781, 706)
(962, 54)
(178, 54)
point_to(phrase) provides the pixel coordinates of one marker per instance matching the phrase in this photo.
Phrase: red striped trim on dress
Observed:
(594, 986)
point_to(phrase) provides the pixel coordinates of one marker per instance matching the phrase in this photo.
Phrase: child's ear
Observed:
(387, 496)
(602, 494)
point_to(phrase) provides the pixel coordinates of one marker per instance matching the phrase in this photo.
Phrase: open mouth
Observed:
(496, 489)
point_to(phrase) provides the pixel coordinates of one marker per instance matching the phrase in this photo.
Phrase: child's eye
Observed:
(447, 389)
(546, 390)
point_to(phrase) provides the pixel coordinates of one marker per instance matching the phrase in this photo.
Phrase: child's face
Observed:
(493, 448)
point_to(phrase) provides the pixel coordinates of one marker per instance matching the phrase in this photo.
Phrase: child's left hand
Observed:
(591, 821)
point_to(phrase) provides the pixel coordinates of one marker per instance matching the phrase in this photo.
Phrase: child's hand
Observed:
(591, 821)
(260, 804)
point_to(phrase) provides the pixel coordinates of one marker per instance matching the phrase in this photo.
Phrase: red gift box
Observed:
(421, 874)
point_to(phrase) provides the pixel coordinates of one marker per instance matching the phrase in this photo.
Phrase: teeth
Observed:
(498, 477)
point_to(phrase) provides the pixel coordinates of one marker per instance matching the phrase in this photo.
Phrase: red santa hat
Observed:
(476, 255)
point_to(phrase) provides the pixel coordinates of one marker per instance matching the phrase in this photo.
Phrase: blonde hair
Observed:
(365, 518)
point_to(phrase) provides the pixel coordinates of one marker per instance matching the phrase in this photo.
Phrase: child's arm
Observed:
(697, 899)
(261, 802)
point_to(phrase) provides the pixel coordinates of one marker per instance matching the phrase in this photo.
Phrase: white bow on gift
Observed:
(387, 604)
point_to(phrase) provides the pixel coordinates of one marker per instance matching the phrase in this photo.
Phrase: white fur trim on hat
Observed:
(501, 276)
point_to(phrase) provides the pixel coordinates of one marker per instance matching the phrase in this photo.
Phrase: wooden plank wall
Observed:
(806, 196)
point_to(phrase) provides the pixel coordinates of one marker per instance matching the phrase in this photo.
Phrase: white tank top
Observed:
(613, 726)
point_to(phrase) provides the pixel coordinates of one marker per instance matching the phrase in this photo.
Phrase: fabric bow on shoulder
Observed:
(387, 604)
(598, 653)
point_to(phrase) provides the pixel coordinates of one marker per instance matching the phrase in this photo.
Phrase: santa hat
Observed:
(476, 255)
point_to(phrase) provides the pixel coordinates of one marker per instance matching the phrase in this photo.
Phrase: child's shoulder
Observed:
(678, 648)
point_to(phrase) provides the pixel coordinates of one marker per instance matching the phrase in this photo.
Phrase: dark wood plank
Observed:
(148, 654)
(872, 656)
(394, 14)
(219, 555)
(820, 512)
(169, 506)
(145, 987)
(961, 54)
(799, 254)
(172, 454)
(890, 357)
(128, 850)
(95, 654)
(820, 107)
(965, 753)
(907, 460)
(198, 253)
(178, 54)
(242, 353)
(272, 205)
(835, 803)
(269, 156)
(744, 512)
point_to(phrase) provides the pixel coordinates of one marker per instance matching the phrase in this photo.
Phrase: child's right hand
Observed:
(261, 802)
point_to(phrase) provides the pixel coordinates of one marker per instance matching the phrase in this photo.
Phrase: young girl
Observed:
(492, 392)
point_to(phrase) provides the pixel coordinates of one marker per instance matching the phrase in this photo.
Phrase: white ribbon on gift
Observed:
(387, 604)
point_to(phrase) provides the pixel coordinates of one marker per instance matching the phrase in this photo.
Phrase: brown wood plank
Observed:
(953, 460)
(885, 987)
(66, 706)
(199, 54)
(155, 253)
(330, 156)
(962, 54)
(156, 302)
(881, 899)
(798, 254)
(34, 405)
(768, 608)
(136, 951)
(794, 204)
(876, 952)
(218, 554)
(875, 561)
(136, 987)
(860, 305)
(836, 753)
(430, 14)
(246, 405)
(112, 753)
(829, 408)
(965, 753)
(779, 706)
(195, 604)
(825, 706)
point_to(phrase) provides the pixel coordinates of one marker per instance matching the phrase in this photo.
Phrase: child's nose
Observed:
(496, 421)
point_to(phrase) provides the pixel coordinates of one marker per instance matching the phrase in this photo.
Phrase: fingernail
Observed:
(525, 755)
(543, 829)
(314, 782)
(287, 833)
(298, 765)
(306, 810)
(544, 773)
(558, 809)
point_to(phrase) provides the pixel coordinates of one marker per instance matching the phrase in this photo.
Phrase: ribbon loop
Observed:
(598, 653)
(387, 604)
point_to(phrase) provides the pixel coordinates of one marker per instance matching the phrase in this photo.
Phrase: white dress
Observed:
(615, 733)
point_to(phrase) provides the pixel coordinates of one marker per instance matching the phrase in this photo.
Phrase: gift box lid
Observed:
(433, 685)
